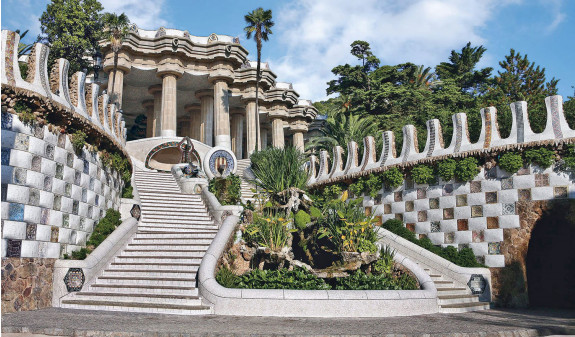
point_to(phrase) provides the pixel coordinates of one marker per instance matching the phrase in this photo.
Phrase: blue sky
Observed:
(313, 36)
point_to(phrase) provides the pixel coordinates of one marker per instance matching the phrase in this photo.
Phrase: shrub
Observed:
(511, 162)
(362, 281)
(25, 113)
(227, 278)
(104, 227)
(373, 185)
(446, 169)
(393, 177)
(422, 174)
(542, 157)
(385, 263)
(315, 212)
(272, 232)
(128, 192)
(466, 169)
(364, 245)
(227, 190)
(78, 140)
(298, 278)
(278, 169)
(302, 219)
(357, 187)
(395, 226)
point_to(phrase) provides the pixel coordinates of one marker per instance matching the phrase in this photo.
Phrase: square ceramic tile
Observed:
(491, 197)
(7, 119)
(449, 237)
(386, 207)
(447, 189)
(462, 224)
(31, 231)
(5, 156)
(13, 248)
(475, 186)
(409, 206)
(461, 200)
(560, 192)
(478, 236)
(448, 213)
(16, 212)
(399, 216)
(435, 226)
(20, 175)
(422, 216)
(49, 152)
(491, 173)
(38, 131)
(524, 194)
(22, 142)
(378, 221)
(36, 163)
(70, 160)
(398, 196)
(506, 183)
(476, 211)
(508, 209)
(492, 222)
(494, 248)
(408, 183)
(368, 210)
(62, 140)
(541, 179)
(410, 226)
(421, 193)
(59, 171)
(55, 231)
(434, 203)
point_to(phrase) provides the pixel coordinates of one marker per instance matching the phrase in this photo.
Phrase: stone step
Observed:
(183, 290)
(155, 221)
(153, 193)
(464, 307)
(186, 253)
(166, 228)
(185, 211)
(167, 246)
(159, 308)
(139, 297)
(443, 284)
(173, 240)
(146, 281)
(191, 224)
(157, 259)
(452, 291)
(158, 218)
(150, 273)
(186, 233)
(456, 299)
(153, 266)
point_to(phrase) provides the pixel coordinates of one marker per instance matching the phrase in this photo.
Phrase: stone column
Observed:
(169, 113)
(237, 133)
(116, 91)
(156, 90)
(149, 106)
(222, 114)
(264, 134)
(298, 141)
(251, 127)
(206, 116)
(194, 111)
(277, 133)
(298, 127)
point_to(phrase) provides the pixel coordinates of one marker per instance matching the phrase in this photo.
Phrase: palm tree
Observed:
(116, 30)
(259, 23)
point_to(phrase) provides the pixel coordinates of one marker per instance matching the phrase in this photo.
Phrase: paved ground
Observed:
(67, 322)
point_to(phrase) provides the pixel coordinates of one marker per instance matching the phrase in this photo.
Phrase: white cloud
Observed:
(317, 34)
(554, 6)
(144, 13)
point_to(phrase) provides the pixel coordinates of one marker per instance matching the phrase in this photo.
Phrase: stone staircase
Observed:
(156, 271)
(245, 174)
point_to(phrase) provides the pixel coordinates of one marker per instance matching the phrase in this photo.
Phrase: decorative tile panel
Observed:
(508, 209)
(435, 227)
(409, 206)
(434, 203)
(74, 279)
(13, 248)
(20, 176)
(22, 142)
(491, 197)
(461, 200)
(447, 189)
(386, 208)
(49, 151)
(410, 226)
(494, 248)
(476, 211)
(506, 183)
(449, 237)
(475, 186)
(398, 196)
(448, 213)
(59, 171)
(31, 231)
(560, 192)
(421, 193)
(36, 163)
(5, 156)
(462, 224)
(541, 179)
(478, 236)
(7, 121)
(422, 216)
(524, 194)
(399, 216)
(54, 232)
(492, 222)
(16, 212)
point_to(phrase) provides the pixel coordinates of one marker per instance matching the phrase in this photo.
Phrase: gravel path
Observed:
(67, 322)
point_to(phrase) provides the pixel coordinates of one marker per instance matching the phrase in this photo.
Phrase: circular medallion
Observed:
(219, 162)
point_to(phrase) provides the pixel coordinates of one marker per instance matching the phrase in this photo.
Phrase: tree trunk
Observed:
(114, 78)
(259, 47)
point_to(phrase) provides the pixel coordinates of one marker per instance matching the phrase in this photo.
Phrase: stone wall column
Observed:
(117, 90)
(194, 111)
(251, 127)
(149, 106)
(169, 113)
(156, 90)
(222, 114)
(237, 133)
(298, 127)
(206, 116)
(298, 141)
(277, 133)
(264, 134)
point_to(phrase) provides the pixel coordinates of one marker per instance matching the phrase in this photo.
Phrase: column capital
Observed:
(298, 126)
(155, 89)
(147, 104)
(237, 111)
(192, 107)
(204, 92)
(170, 66)
(221, 75)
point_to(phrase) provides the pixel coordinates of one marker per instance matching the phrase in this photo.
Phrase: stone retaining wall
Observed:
(26, 284)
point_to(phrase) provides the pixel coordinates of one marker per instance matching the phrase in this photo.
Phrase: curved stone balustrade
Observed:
(556, 131)
(67, 95)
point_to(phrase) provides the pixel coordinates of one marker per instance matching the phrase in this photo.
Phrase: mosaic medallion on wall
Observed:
(74, 279)
(219, 162)
(477, 284)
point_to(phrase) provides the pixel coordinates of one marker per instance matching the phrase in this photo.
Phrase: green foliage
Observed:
(395, 226)
(446, 169)
(80, 254)
(315, 212)
(128, 192)
(104, 227)
(357, 187)
(271, 232)
(362, 281)
(24, 111)
(227, 278)
(365, 245)
(385, 264)
(392, 177)
(78, 140)
(298, 278)
(72, 29)
(302, 219)
(422, 174)
(227, 190)
(117, 162)
(541, 156)
(373, 184)
(332, 192)
(278, 169)
(466, 169)
(511, 162)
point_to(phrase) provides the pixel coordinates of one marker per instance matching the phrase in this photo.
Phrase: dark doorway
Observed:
(550, 261)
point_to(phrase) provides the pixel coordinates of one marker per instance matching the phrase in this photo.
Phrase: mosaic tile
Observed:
(92, 181)
(491, 173)
(409, 183)
(33, 197)
(491, 197)
(508, 209)
(76, 208)
(462, 224)
(63, 249)
(59, 171)
(480, 259)
(434, 203)
(55, 231)
(523, 171)
(70, 160)
(37, 163)
(74, 279)
(494, 248)
(22, 142)
(31, 231)
(47, 183)
(421, 193)
(84, 195)
(77, 178)
(57, 203)
(476, 211)
(367, 211)
(422, 236)
(449, 237)
(477, 236)
(5, 156)
(507, 183)
(422, 216)
(475, 186)
(398, 216)
(492, 222)
(13, 248)
(83, 223)
(398, 196)
(45, 217)
(447, 189)
(7, 121)
(524, 194)
(560, 192)
(461, 200)
(20, 175)
(409, 206)
(541, 179)
(447, 213)
(16, 212)
(4, 192)
(49, 151)
(410, 226)
(86, 167)
(61, 140)
(66, 220)
(68, 189)
(435, 227)
(90, 210)
(39, 132)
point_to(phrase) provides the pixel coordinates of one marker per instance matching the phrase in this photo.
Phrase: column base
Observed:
(168, 133)
(224, 141)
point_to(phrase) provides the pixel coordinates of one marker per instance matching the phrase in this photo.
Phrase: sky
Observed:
(310, 37)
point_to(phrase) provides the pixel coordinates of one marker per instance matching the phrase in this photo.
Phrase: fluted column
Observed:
(251, 127)
(222, 114)
(277, 133)
(194, 112)
(156, 90)
(169, 113)
(149, 106)
(264, 134)
(116, 88)
(237, 133)
(298, 127)
(206, 116)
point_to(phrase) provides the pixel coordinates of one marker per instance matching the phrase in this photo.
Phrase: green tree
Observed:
(115, 30)
(520, 80)
(72, 28)
(259, 23)
(569, 109)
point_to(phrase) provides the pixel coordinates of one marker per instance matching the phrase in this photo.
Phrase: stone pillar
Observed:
(251, 127)
(277, 133)
(237, 133)
(156, 90)
(206, 116)
(149, 106)
(222, 114)
(116, 91)
(194, 111)
(298, 141)
(169, 113)
(264, 134)
(298, 127)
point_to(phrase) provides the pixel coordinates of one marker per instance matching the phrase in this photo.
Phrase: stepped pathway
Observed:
(156, 271)
(245, 173)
